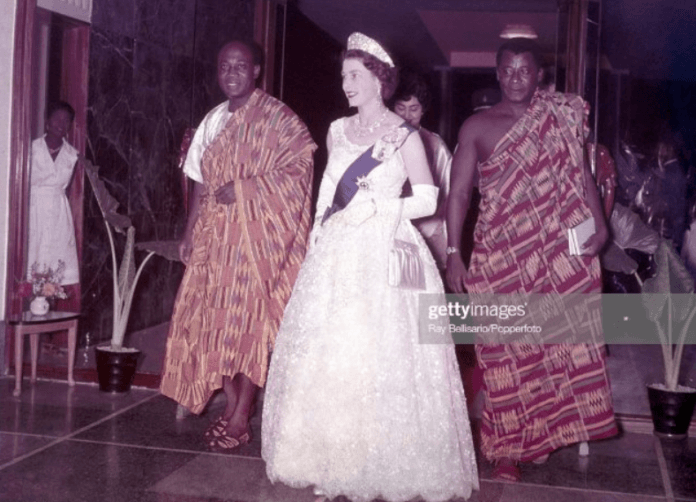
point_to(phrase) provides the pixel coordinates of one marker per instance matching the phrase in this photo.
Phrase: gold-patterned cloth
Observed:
(538, 397)
(246, 255)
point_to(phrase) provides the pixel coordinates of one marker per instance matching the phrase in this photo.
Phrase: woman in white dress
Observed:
(354, 404)
(51, 228)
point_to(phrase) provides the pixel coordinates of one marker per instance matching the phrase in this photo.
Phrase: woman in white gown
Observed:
(354, 404)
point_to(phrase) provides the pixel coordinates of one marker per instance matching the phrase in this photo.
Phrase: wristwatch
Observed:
(451, 250)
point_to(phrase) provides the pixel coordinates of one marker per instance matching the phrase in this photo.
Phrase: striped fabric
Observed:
(541, 397)
(246, 255)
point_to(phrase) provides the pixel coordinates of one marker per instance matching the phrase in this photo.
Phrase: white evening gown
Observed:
(354, 404)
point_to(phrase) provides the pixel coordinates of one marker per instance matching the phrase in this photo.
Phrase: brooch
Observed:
(363, 183)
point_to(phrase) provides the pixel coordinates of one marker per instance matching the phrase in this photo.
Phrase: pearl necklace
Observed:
(54, 151)
(361, 131)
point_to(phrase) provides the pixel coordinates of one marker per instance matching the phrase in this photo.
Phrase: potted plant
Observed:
(116, 364)
(669, 302)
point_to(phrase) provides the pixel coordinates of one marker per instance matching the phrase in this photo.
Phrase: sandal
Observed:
(224, 443)
(216, 428)
(541, 460)
(507, 470)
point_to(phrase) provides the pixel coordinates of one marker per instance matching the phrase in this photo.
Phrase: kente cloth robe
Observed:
(538, 397)
(246, 255)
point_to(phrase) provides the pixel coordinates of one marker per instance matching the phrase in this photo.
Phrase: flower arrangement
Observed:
(46, 282)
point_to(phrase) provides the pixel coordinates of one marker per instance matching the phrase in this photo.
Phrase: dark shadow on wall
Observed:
(312, 81)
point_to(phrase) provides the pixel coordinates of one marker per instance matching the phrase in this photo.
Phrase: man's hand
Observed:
(596, 242)
(185, 249)
(225, 194)
(456, 273)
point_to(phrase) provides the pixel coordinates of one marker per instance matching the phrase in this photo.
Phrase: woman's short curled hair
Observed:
(387, 75)
(55, 106)
(413, 85)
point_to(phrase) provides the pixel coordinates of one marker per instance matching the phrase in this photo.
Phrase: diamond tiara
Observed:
(366, 44)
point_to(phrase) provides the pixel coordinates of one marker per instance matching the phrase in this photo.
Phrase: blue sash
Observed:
(348, 184)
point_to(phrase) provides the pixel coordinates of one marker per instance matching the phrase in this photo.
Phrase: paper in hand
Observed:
(578, 235)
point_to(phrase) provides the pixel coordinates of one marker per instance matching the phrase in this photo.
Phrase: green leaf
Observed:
(629, 232)
(615, 259)
(107, 203)
(167, 249)
(126, 272)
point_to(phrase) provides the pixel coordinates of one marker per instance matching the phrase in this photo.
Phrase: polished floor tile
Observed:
(77, 444)
(80, 471)
(626, 464)
(530, 493)
(153, 424)
(219, 476)
(680, 457)
(16, 445)
(51, 409)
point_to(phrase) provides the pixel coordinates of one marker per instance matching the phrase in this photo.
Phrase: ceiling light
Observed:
(518, 31)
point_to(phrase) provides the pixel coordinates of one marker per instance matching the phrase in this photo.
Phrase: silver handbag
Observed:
(405, 264)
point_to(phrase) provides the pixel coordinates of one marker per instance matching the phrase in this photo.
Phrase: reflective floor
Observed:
(77, 444)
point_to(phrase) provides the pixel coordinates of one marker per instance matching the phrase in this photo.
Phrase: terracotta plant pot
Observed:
(671, 411)
(116, 369)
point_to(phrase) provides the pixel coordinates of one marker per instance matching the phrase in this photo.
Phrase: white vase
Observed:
(39, 306)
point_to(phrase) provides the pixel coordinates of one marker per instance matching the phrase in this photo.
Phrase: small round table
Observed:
(34, 325)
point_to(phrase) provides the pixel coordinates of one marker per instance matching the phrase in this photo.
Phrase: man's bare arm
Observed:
(186, 244)
(596, 242)
(461, 184)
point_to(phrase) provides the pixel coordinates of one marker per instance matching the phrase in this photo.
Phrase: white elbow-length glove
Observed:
(422, 203)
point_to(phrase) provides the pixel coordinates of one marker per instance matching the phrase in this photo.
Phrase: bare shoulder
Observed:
(484, 129)
(392, 119)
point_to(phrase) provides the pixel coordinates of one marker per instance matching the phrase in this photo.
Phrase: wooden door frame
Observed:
(74, 88)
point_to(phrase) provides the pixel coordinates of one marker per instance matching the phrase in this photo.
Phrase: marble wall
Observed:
(152, 75)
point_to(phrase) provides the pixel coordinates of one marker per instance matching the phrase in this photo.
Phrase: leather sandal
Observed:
(507, 471)
(215, 428)
(541, 460)
(224, 443)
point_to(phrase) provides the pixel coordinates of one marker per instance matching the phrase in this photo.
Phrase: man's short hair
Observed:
(257, 55)
(519, 46)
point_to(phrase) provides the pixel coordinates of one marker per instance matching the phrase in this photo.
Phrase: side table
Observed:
(34, 325)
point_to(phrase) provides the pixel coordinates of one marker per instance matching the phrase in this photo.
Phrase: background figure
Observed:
(411, 101)
(483, 99)
(535, 186)
(51, 227)
(356, 403)
(661, 200)
(251, 159)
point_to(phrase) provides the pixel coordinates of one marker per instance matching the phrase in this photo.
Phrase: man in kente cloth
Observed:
(535, 185)
(245, 239)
